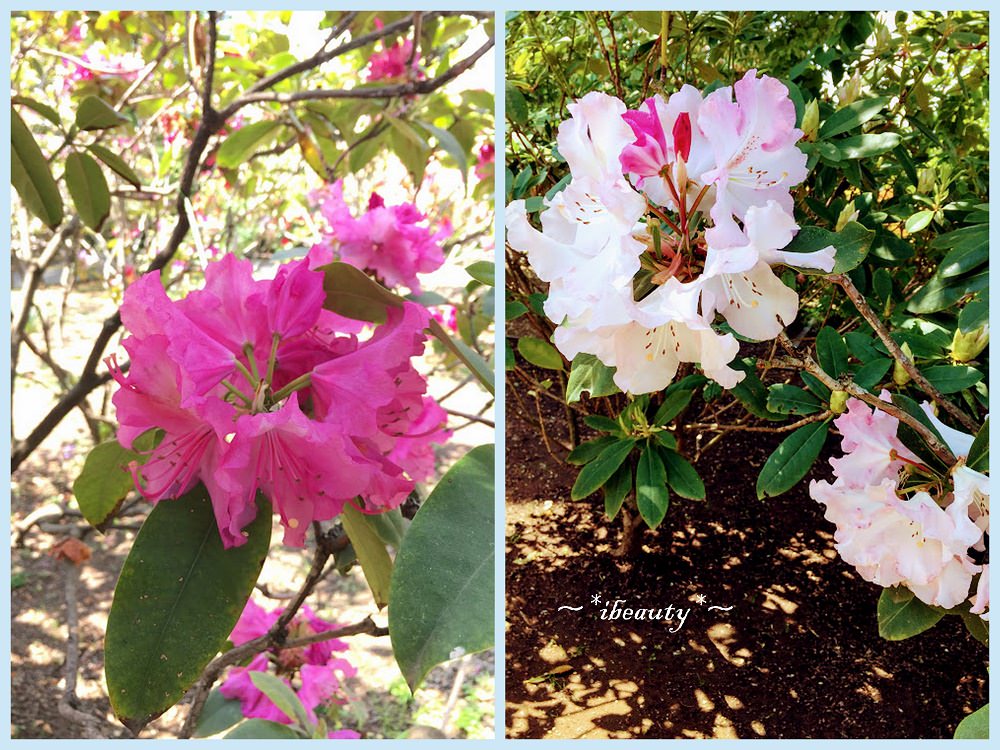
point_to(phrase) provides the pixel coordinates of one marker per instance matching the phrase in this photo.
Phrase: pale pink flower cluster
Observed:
(255, 386)
(313, 672)
(896, 536)
(394, 243)
(729, 156)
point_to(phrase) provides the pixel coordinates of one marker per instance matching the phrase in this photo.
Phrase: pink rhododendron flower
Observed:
(391, 61)
(393, 242)
(447, 316)
(257, 387)
(312, 671)
(484, 160)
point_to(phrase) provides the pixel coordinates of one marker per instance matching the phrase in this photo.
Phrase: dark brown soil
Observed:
(798, 655)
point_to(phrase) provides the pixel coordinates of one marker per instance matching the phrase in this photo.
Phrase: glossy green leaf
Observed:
(588, 374)
(218, 714)
(870, 374)
(751, 392)
(96, 114)
(472, 359)
(241, 144)
(262, 729)
(442, 585)
(975, 726)
(919, 221)
(88, 188)
(115, 163)
(482, 271)
(854, 114)
(979, 454)
(831, 351)
(599, 471)
(672, 405)
(792, 459)
(965, 258)
(602, 423)
(901, 615)
(372, 554)
(540, 353)
(616, 489)
(651, 494)
(940, 293)
(851, 245)
(790, 399)
(584, 453)
(867, 146)
(177, 599)
(30, 174)
(952, 378)
(682, 476)
(975, 314)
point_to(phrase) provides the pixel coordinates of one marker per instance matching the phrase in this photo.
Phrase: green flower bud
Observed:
(810, 120)
(899, 374)
(838, 402)
(967, 346)
(925, 180)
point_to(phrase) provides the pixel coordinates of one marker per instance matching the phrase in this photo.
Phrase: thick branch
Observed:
(809, 364)
(899, 355)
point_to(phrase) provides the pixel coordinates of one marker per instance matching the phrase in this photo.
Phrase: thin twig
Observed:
(716, 427)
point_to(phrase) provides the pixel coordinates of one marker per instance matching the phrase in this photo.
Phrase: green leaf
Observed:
(901, 615)
(851, 245)
(447, 141)
(862, 346)
(30, 174)
(96, 114)
(831, 350)
(682, 476)
(871, 373)
(672, 405)
(599, 471)
(651, 494)
(867, 146)
(218, 714)
(282, 696)
(514, 310)
(515, 105)
(352, 293)
(666, 439)
(975, 314)
(975, 726)
(105, 479)
(178, 597)
(390, 526)
(605, 424)
(940, 292)
(115, 163)
(648, 20)
(979, 454)
(588, 374)
(442, 586)
(851, 116)
(371, 551)
(790, 399)
(919, 221)
(616, 490)
(88, 188)
(483, 271)
(978, 627)
(44, 110)
(952, 378)
(965, 258)
(241, 144)
(584, 453)
(751, 391)
(262, 729)
(540, 353)
(792, 459)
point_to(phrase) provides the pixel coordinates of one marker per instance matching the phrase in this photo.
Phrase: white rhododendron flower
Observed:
(897, 532)
(642, 291)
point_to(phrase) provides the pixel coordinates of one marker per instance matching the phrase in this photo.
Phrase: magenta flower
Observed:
(391, 61)
(313, 671)
(256, 387)
(484, 160)
(392, 242)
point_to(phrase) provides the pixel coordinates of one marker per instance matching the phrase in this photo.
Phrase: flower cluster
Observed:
(391, 242)
(898, 522)
(634, 276)
(316, 672)
(391, 61)
(255, 386)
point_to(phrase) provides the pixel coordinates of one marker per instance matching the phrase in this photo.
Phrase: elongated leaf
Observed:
(651, 493)
(218, 714)
(751, 391)
(831, 351)
(616, 490)
(588, 374)
(851, 244)
(682, 476)
(792, 459)
(599, 471)
(442, 585)
(940, 293)
(540, 353)
(975, 726)
(975, 314)
(979, 454)
(372, 554)
(390, 526)
(602, 423)
(901, 615)
(178, 597)
(105, 479)
(587, 452)
(919, 221)
(871, 373)
(672, 405)
(281, 696)
(44, 110)
(30, 174)
(447, 141)
(854, 114)
(115, 163)
(867, 146)
(88, 188)
(952, 378)
(96, 114)
(790, 399)
(241, 144)
(965, 258)
(515, 107)
(351, 293)
(262, 729)
(482, 271)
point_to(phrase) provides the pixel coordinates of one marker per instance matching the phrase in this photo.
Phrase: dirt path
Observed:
(797, 655)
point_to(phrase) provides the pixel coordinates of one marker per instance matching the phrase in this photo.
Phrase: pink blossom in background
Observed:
(393, 242)
(295, 428)
(390, 62)
(484, 160)
(447, 316)
(313, 671)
